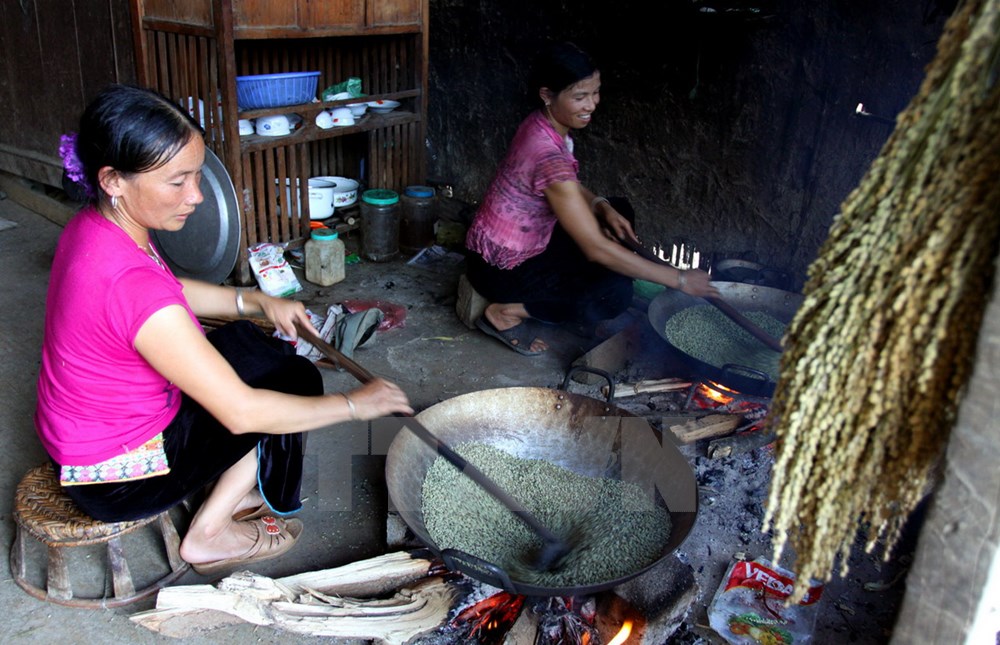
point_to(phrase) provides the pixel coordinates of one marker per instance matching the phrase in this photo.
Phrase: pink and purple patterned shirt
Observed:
(515, 220)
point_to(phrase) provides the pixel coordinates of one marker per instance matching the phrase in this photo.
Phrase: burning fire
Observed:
(717, 392)
(622, 634)
(492, 616)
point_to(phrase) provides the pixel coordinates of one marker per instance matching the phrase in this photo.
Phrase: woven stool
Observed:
(44, 513)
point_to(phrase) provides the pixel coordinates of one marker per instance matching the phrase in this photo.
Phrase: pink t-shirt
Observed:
(515, 220)
(97, 396)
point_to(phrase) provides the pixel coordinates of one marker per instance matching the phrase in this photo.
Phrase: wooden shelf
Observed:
(197, 48)
(309, 131)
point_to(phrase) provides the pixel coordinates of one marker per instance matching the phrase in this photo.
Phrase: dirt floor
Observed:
(433, 356)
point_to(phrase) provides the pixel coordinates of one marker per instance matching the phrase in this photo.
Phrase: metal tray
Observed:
(208, 245)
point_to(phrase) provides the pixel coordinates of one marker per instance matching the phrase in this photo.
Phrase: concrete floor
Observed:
(433, 357)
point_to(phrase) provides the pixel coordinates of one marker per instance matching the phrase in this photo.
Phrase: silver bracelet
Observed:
(350, 406)
(681, 279)
(598, 200)
(240, 311)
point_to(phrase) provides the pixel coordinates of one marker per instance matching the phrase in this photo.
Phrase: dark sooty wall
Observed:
(735, 130)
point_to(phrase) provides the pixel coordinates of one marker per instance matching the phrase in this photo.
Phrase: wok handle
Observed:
(457, 560)
(593, 370)
(443, 449)
(719, 304)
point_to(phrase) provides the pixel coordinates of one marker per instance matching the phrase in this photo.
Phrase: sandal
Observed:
(519, 337)
(274, 538)
(248, 514)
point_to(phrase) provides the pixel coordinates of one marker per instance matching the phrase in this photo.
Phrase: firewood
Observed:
(739, 443)
(713, 425)
(648, 387)
(306, 603)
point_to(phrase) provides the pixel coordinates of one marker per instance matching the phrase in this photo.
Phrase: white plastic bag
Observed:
(273, 273)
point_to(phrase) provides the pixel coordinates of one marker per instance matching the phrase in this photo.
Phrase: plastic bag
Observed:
(749, 607)
(352, 86)
(395, 315)
(273, 274)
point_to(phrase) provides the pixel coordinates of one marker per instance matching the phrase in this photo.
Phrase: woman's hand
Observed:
(284, 314)
(615, 223)
(695, 282)
(379, 398)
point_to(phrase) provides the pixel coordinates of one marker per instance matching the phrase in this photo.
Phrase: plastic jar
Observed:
(416, 228)
(324, 257)
(379, 224)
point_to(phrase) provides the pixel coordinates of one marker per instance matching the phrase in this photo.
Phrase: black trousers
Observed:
(560, 284)
(199, 448)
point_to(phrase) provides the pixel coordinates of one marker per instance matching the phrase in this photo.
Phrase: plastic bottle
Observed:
(416, 228)
(379, 224)
(324, 257)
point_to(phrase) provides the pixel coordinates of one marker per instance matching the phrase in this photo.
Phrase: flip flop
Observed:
(521, 333)
(274, 538)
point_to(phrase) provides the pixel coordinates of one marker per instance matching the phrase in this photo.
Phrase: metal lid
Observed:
(323, 233)
(418, 191)
(380, 197)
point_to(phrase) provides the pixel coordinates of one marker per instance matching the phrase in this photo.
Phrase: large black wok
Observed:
(782, 305)
(582, 434)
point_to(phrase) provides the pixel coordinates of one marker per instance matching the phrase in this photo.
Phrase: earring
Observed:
(114, 202)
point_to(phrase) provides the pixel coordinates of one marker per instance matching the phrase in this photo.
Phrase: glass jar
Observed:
(416, 228)
(379, 224)
(324, 257)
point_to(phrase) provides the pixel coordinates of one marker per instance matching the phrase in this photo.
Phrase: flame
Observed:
(716, 392)
(622, 634)
(494, 614)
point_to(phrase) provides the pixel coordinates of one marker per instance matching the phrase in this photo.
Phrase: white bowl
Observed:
(357, 109)
(342, 116)
(345, 192)
(324, 120)
(382, 107)
(276, 125)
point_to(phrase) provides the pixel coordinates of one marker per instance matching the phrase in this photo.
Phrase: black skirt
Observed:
(199, 448)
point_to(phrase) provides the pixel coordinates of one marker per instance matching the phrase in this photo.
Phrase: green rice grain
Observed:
(705, 333)
(614, 527)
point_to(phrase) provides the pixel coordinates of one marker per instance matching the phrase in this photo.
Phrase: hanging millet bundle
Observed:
(878, 354)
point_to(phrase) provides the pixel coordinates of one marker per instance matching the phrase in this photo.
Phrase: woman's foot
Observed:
(273, 538)
(242, 541)
(251, 506)
(510, 324)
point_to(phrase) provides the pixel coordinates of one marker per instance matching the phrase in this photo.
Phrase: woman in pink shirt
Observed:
(138, 408)
(542, 245)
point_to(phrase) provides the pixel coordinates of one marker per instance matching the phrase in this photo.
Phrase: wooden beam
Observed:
(34, 197)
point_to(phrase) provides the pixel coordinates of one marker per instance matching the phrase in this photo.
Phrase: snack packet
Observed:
(273, 274)
(749, 607)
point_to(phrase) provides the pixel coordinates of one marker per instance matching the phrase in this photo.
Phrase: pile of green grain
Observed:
(616, 528)
(705, 333)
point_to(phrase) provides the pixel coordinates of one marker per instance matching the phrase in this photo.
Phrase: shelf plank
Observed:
(310, 132)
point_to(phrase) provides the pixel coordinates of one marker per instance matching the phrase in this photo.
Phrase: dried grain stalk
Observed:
(881, 349)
